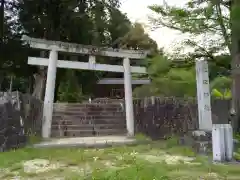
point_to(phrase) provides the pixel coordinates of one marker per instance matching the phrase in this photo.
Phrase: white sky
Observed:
(137, 10)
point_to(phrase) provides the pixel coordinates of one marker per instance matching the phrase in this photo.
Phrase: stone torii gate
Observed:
(53, 63)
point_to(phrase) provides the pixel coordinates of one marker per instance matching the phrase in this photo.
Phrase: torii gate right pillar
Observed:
(128, 97)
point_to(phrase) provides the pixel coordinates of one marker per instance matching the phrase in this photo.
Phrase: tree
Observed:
(136, 38)
(168, 80)
(139, 40)
(69, 90)
(50, 20)
(198, 18)
(205, 18)
(235, 52)
(85, 22)
(74, 21)
(221, 86)
(12, 65)
(119, 26)
(219, 18)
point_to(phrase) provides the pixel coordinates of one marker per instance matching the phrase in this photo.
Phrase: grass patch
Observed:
(34, 139)
(142, 137)
(118, 163)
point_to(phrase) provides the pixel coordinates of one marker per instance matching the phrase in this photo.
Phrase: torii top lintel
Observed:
(83, 49)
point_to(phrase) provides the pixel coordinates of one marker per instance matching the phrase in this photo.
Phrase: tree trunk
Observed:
(40, 82)
(235, 54)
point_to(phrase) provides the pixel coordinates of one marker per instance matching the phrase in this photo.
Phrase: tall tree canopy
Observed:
(220, 22)
(197, 18)
(87, 22)
(207, 22)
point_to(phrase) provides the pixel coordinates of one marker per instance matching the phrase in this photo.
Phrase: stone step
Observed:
(60, 134)
(73, 120)
(70, 120)
(89, 126)
(92, 113)
(85, 133)
(86, 104)
(89, 107)
(89, 121)
(88, 117)
(85, 121)
(83, 112)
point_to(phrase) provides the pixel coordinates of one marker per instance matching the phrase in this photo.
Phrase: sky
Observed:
(137, 10)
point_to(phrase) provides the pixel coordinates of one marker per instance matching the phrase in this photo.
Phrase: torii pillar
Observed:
(128, 97)
(49, 94)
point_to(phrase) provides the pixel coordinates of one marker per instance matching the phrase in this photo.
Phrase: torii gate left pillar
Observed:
(53, 63)
(49, 94)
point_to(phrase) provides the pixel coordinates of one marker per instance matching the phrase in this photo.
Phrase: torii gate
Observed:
(53, 63)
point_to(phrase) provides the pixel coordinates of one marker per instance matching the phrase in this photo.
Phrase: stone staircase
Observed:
(88, 119)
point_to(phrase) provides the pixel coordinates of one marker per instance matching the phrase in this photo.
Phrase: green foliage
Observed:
(137, 39)
(145, 91)
(220, 66)
(178, 82)
(92, 22)
(69, 90)
(199, 19)
(221, 83)
(167, 80)
(216, 93)
(221, 95)
(102, 23)
(221, 87)
(158, 65)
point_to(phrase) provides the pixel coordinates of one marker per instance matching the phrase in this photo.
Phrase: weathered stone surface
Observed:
(89, 142)
(15, 122)
(11, 129)
(160, 117)
(39, 166)
(157, 117)
(200, 141)
(88, 119)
